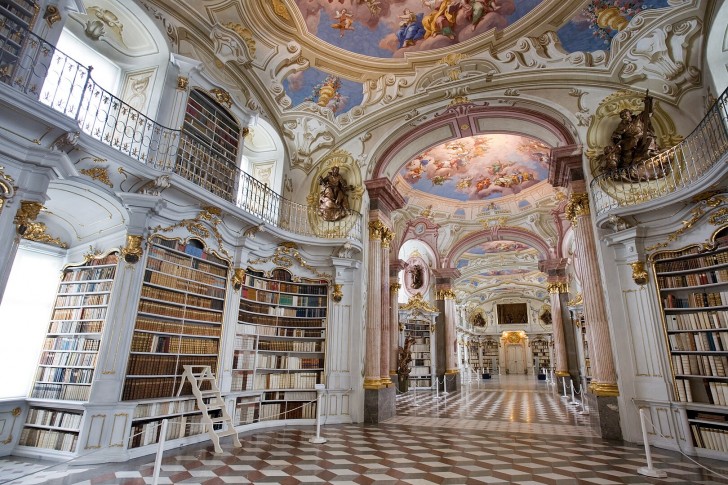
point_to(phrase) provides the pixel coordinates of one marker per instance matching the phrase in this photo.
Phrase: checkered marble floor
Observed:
(508, 431)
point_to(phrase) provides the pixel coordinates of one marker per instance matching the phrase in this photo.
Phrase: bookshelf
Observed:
(179, 322)
(51, 428)
(693, 295)
(421, 374)
(70, 349)
(491, 355)
(15, 16)
(279, 346)
(474, 354)
(541, 354)
(208, 152)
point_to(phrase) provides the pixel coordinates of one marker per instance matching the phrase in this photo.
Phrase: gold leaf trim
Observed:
(100, 174)
(418, 303)
(36, 231)
(285, 256)
(210, 216)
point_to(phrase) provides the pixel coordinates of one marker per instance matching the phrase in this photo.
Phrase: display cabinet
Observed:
(540, 351)
(693, 291)
(280, 346)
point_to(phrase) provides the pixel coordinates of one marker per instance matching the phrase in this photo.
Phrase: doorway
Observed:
(515, 359)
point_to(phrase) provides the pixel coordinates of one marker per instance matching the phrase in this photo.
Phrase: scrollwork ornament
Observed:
(375, 229)
(337, 294)
(133, 251)
(26, 214)
(238, 278)
(394, 287)
(557, 287)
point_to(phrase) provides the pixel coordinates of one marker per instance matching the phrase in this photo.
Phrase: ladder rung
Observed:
(227, 432)
(214, 407)
(219, 419)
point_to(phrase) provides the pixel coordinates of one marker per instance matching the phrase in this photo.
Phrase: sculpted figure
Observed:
(417, 278)
(333, 204)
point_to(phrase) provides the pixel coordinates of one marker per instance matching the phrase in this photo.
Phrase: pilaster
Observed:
(445, 301)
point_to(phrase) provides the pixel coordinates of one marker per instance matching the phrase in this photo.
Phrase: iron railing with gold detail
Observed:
(34, 68)
(670, 171)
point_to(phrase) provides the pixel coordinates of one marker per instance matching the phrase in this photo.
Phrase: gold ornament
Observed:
(639, 274)
(337, 294)
(133, 251)
(577, 206)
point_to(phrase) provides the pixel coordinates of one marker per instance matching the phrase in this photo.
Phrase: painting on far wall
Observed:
(594, 27)
(389, 28)
(479, 167)
(512, 313)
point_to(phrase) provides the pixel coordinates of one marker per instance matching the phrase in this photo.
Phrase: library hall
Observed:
(363, 242)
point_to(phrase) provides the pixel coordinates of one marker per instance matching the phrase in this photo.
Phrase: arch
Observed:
(469, 120)
(497, 234)
(716, 50)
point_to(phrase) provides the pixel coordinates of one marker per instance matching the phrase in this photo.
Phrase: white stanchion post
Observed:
(584, 405)
(444, 384)
(563, 383)
(160, 452)
(573, 401)
(649, 470)
(318, 439)
(553, 378)
(437, 389)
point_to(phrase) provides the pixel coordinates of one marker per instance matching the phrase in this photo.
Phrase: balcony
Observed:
(689, 167)
(35, 69)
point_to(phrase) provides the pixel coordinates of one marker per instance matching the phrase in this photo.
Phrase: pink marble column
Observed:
(557, 323)
(595, 313)
(385, 337)
(451, 365)
(372, 379)
(394, 287)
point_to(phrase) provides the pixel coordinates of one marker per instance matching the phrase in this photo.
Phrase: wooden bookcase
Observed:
(179, 322)
(15, 17)
(693, 291)
(421, 374)
(208, 154)
(491, 355)
(474, 354)
(279, 346)
(541, 355)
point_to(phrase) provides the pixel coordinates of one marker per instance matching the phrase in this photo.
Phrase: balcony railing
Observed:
(36, 69)
(670, 171)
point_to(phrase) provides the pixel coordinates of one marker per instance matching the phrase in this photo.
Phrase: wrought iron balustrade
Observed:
(671, 170)
(36, 69)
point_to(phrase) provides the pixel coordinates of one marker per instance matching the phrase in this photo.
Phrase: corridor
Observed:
(510, 429)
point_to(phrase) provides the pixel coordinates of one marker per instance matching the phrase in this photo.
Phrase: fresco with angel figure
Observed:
(479, 167)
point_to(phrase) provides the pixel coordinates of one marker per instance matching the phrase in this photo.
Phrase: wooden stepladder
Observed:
(197, 375)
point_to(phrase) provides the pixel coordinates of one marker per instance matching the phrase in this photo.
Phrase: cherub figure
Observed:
(344, 21)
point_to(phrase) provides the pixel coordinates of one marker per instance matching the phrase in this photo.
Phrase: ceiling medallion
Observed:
(280, 9)
(222, 96)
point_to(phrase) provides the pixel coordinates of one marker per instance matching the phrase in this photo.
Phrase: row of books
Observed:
(82, 300)
(75, 327)
(710, 438)
(78, 359)
(95, 313)
(147, 342)
(700, 365)
(299, 380)
(48, 438)
(280, 311)
(148, 388)
(177, 283)
(697, 300)
(72, 343)
(244, 360)
(152, 364)
(190, 260)
(699, 341)
(420, 347)
(167, 310)
(426, 355)
(143, 434)
(187, 299)
(67, 375)
(171, 326)
(288, 362)
(246, 412)
(170, 268)
(273, 331)
(293, 410)
(420, 371)
(697, 320)
(256, 282)
(258, 319)
(291, 345)
(692, 263)
(192, 248)
(244, 342)
(86, 274)
(289, 395)
(164, 408)
(92, 287)
(62, 392)
(716, 392)
(282, 298)
(693, 279)
(53, 417)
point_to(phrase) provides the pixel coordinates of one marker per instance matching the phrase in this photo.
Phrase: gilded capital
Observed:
(182, 83)
(337, 294)
(604, 389)
(238, 278)
(445, 294)
(132, 252)
(26, 214)
(387, 236)
(577, 206)
(375, 229)
(394, 287)
(639, 273)
(557, 287)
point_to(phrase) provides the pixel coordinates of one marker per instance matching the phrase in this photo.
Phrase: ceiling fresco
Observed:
(316, 86)
(389, 28)
(593, 27)
(479, 167)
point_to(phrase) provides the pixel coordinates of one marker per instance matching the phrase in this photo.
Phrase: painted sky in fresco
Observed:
(371, 27)
(306, 86)
(491, 247)
(479, 167)
(582, 33)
